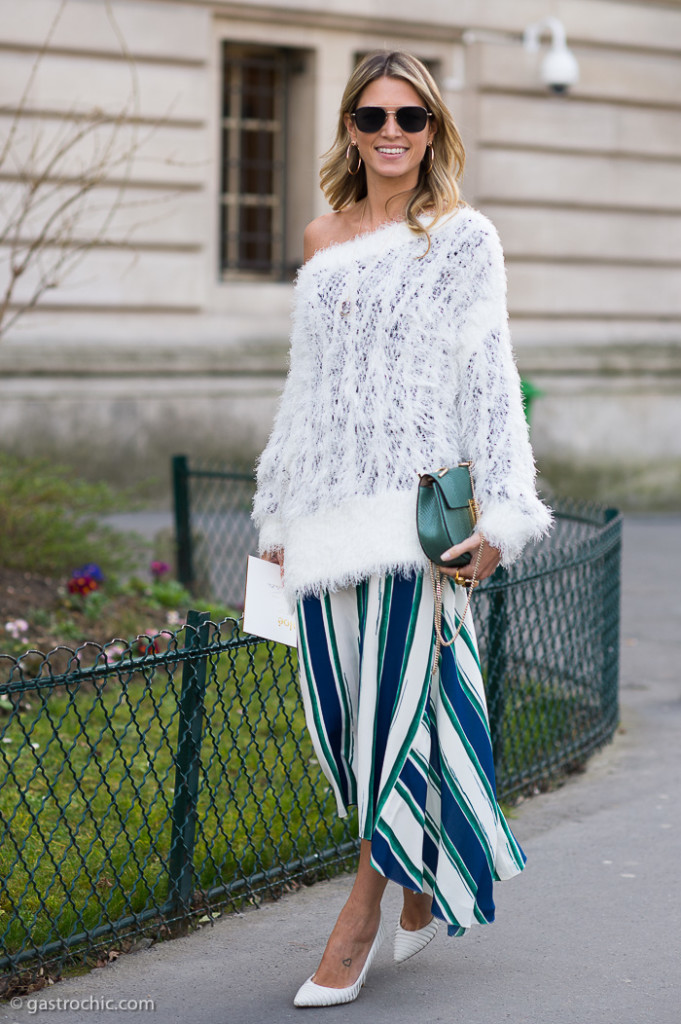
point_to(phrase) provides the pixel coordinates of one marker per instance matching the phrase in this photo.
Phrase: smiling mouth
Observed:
(391, 150)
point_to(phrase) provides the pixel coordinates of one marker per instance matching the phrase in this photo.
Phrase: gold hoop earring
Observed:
(432, 157)
(347, 159)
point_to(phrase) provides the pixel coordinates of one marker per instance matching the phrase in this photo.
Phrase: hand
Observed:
(488, 562)
(276, 555)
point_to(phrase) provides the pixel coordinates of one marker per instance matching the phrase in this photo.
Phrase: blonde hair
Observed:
(437, 191)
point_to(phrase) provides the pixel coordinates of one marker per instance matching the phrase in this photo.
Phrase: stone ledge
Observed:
(654, 359)
(268, 355)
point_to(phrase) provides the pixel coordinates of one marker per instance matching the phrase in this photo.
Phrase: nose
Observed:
(391, 126)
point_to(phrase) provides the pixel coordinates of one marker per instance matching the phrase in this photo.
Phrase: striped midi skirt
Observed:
(410, 748)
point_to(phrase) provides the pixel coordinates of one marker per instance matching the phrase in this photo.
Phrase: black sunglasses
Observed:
(372, 119)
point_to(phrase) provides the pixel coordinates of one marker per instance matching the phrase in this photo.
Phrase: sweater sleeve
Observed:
(271, 478)
(272, 469)
(273, 465)
(272, 472)
(493, 428)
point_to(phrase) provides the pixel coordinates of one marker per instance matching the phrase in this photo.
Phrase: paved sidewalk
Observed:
(588, 934)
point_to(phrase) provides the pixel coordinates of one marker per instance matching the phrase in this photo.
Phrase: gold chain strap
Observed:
(436, 579)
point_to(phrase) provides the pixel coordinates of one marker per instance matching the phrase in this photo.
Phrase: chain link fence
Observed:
(140, 792)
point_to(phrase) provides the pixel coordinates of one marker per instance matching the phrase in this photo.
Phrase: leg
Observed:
(416, 912)
(356, 927)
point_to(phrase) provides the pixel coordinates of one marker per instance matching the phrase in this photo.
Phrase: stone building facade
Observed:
(171, 334)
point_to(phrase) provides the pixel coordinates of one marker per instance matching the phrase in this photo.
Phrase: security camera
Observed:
(559, 69)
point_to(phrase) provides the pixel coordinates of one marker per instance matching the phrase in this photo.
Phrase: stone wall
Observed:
(145, 350)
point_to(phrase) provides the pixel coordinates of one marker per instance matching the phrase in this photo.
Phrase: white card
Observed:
(266, 612)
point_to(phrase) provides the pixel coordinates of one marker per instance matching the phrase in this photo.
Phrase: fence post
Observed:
(183, 534)
(187, 764)
(497, 626)
(610, 600)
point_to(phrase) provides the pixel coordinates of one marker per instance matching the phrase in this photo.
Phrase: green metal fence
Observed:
(548, 629)
(213, 528)
(139, 792)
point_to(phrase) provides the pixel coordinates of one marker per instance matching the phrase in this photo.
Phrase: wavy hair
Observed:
(437, 191)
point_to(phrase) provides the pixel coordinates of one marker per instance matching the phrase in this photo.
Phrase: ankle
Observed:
(416, 911)
(361, 920)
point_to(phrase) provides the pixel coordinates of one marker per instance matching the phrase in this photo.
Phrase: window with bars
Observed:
(253, 186)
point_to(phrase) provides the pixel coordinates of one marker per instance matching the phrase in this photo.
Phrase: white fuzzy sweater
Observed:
(399, 363)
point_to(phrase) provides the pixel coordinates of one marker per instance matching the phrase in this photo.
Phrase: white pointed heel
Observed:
(310, 994)
(409, 943)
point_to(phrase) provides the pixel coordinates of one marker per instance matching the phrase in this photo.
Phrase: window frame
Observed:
(235, 202)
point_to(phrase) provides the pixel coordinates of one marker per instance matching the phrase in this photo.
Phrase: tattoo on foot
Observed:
(347, 961)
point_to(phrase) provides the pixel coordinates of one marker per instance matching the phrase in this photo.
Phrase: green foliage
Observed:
(158, 594)
(94, 604)
(217, 612)
(169, 594)
(49, 520)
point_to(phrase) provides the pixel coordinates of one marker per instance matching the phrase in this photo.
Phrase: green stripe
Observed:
(318, 718)
(385, 605)
(479, 916)
(453, 717)
(473, 698)
(464, 634)
(399, 852)
(343, 695)
(432, 828)
(450, 916)
(515, 849)
(420, 761)
(471, 817)
(408, 798)
(435, 781)
(457, 862)
(385, 596)
(418, 715)
(361, 592)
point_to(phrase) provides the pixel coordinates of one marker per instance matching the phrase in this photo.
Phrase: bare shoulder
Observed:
(327, 230)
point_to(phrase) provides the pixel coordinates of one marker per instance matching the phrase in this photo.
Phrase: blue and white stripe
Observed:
(410, 748)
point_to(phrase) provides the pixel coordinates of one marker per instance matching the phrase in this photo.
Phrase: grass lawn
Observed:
(87, 783)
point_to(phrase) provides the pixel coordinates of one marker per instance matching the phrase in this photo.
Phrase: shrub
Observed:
(50, 520)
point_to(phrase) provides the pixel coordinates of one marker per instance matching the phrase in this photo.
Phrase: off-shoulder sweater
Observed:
(400, 362)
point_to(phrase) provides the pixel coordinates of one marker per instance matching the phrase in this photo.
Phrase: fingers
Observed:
(471, 544)
(276, 556)
(489, 560)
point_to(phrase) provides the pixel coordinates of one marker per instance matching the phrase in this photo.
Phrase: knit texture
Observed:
(400, 362)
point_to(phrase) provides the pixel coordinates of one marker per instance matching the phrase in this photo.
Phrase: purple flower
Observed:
(85, 579)
(92, 570)
(159, 569)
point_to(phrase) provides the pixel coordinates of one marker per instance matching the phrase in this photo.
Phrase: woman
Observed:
(400, 363)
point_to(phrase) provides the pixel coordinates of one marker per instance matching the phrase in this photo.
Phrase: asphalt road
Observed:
(588, 934)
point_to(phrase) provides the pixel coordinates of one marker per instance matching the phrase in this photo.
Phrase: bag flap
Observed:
(455, 486)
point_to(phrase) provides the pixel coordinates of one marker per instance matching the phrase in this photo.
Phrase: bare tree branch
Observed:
(6, 149)
(40, 234)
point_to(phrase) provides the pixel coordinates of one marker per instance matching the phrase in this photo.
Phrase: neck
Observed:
(386, 201)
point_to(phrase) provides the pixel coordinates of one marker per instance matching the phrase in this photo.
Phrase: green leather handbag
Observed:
(446, 512)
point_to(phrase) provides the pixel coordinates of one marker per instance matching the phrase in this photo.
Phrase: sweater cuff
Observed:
(509, 528)
(271, 534)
